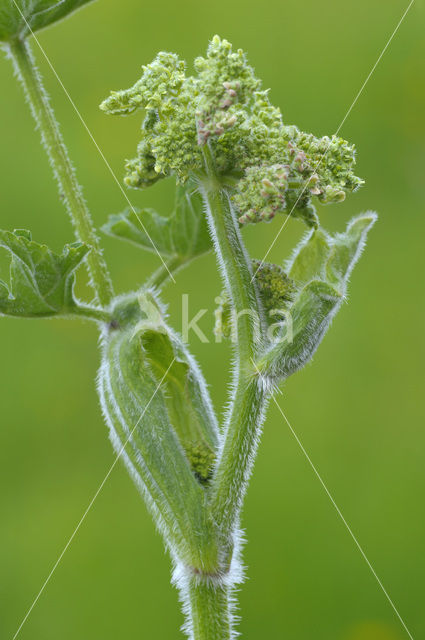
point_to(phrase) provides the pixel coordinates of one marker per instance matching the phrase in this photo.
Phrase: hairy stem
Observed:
(234, 262)
(69, 188)
(243, 430)
(245, 415)
(209, 611)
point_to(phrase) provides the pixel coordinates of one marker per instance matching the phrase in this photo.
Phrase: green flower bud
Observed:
(201, 458)
(261, 193)
(140, 172)
(160, 416)
(276, 291)
(267, 190)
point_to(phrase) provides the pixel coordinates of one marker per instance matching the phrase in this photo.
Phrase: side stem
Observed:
(69, 188)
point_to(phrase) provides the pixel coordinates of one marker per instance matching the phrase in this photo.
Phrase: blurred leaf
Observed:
(18, 19)
(41, 281)
(184, 234)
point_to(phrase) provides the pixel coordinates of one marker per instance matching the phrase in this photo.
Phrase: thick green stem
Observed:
(234, 263)
(249, 396)
(69, 188)
(210, 611)
(243, 430)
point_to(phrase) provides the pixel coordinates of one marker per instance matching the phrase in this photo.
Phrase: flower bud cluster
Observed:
(335, 159)
(274, 167)
(277, 290)
(266, 190)
(201, 458)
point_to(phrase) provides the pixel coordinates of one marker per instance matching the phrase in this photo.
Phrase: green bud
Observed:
(157, 407)
(261, 193)
(267, 190)
(201, 458)
(276, 291)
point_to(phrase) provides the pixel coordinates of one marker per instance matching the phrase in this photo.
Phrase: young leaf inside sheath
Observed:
(182, 235)
(309, 259)
(31, 16)
(160, 415)
(189, 409)
(41, 281)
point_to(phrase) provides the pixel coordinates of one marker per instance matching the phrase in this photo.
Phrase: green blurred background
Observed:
(359, 410)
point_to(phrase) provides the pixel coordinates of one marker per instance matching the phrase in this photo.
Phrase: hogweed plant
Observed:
(235, 163)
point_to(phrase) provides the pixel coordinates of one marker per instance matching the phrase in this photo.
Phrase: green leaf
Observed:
(190, 415)
(154, 398)
(41, 281)
(33, 15)
(307, 322)
(184, 234)
(309, 258)
(347, 248)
